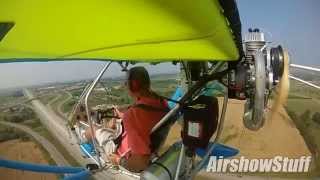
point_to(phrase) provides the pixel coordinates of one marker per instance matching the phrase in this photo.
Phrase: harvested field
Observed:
(26, 151)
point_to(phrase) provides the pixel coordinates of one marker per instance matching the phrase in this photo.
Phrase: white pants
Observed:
(105, 137)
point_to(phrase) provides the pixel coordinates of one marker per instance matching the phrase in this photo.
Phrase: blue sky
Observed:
(294, 24)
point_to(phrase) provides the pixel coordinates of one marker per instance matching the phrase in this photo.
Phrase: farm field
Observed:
(26, 151)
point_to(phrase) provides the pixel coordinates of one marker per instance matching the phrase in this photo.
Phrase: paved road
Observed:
(51, 149)
(56, 125)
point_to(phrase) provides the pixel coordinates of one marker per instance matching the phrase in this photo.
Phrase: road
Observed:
(59, 107)
(54, 100)
(48, 146)
(56, 125)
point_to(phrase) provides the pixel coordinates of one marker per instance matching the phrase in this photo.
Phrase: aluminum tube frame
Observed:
(88, 154)
(88, 93)
(79, 101)
(304, 67)
(181, 156)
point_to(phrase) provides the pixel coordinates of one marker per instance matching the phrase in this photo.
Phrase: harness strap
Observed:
(151, 108)
(169, 99)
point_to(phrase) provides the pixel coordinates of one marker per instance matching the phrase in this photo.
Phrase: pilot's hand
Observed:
(117, 112)
(114, 159)
(111, 124)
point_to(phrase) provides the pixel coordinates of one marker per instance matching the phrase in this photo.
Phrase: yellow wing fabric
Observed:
(143, 30)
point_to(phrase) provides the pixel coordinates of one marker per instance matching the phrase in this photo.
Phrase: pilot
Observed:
(133, 150)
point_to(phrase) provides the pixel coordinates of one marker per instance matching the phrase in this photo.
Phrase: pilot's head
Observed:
(138, 81)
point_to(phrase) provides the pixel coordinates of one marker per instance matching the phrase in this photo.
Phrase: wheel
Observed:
(92, 167)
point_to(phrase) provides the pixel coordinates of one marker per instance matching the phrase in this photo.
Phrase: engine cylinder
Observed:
(254, 41)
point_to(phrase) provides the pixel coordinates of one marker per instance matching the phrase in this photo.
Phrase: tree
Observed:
(292, 114)
(316, 117)
(306, 117)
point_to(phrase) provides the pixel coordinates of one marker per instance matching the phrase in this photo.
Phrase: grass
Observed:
(302, 89)
(10, 99)
(67, 107)
(303, 103)
(46, 99)
(297, 96)
(76, 93)
(57, 102)
(9, 133)
(310, 132)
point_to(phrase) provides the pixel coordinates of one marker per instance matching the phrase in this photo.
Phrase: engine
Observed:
(255, 77)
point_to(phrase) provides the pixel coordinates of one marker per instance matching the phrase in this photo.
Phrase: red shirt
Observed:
(138, 123)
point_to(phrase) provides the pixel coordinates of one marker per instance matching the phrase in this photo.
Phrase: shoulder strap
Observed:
(169, 99)
(150, 108)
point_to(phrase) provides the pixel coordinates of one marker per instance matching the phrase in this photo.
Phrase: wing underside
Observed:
(132, 30)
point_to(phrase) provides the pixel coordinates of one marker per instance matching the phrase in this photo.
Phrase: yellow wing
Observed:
(133, 30)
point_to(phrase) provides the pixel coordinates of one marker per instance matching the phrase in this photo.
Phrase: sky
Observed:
(294, 24)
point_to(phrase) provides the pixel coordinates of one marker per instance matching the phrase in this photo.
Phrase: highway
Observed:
(59, 107)
(56, 125)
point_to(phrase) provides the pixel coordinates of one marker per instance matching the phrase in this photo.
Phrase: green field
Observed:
(47, 98)
(303, 107)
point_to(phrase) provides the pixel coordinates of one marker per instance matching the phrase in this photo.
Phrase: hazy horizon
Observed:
(77, 71)
(106, 76)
